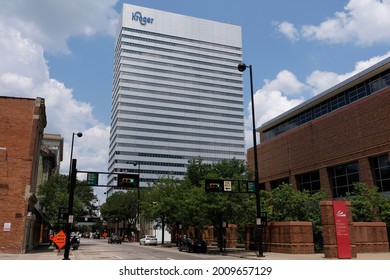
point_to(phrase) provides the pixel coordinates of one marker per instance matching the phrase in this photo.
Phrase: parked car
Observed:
(196, 245)
(114, 238)
(148, 240)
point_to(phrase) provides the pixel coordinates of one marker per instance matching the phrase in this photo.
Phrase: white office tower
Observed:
(177, 94)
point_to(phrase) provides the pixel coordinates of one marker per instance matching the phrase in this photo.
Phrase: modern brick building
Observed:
(22, 121)
(329, 142)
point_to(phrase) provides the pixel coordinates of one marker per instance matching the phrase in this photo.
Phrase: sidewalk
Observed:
(252, 255)
(41, 252)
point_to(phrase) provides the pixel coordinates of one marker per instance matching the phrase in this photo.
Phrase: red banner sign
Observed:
(342, 230)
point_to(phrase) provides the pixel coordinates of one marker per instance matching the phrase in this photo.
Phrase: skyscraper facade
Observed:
(177, 94)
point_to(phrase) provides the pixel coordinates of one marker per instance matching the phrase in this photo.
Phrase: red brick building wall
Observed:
(22, 121)
(354, 132)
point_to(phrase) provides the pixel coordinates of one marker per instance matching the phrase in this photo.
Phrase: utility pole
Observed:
(69, 223)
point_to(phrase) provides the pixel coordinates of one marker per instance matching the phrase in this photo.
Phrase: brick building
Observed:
(337, 138)
(22, 121)
(49, 165)
(51, 156)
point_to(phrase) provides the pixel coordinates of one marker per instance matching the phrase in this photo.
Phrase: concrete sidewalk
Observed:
(252, 255)
(41, 252)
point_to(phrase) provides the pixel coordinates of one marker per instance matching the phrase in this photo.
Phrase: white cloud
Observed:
(272, 100)
(286, 82)
(24, 37)
(50, 23)
(289, 30)
(20, 55)
(363, 22)
(323, 80)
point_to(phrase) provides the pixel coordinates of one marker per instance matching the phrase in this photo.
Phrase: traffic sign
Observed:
(92, 178)
(251, 186)
(60, 239)
(227, 186)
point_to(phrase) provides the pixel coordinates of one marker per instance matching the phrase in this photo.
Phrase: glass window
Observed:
(309, 182)
(343, 177)
(305, 117)
(320, 109)
(353, 94)
(381, 167)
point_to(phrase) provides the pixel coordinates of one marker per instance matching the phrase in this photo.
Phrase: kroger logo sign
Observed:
(137, 16)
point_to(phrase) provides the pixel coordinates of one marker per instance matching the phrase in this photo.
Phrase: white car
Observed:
(148, 240)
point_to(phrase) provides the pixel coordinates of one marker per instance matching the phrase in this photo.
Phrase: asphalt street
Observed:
(46, 252)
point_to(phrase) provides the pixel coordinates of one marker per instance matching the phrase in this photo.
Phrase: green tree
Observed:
(197, 171)
(286, 204)
(121, 206)
(368, 204)
(234, 208)
(171, 202)
(193, 210)
(53, 195)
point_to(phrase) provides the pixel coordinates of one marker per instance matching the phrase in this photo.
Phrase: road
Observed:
(99, 249)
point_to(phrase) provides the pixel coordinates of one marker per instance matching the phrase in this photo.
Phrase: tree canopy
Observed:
(121, 206)
(172, 202)
(368, 204)
(53, 195)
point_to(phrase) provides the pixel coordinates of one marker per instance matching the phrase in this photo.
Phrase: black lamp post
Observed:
(137, 163)
(242, 67)
(71, 187)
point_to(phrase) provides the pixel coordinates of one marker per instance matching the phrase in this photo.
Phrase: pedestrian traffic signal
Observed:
(128, 180)
(212, 185)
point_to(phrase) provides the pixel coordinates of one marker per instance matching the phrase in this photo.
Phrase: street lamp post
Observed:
(137, 163)
(242, 67)
(71, 187)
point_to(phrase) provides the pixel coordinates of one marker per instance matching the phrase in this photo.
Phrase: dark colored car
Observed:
(196, 245)
(114, 238)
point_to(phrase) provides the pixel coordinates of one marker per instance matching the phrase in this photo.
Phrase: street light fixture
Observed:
(242, 67)
(79, 134)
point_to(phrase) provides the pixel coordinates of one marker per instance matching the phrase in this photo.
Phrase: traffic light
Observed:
(212, 185)
(128, 180)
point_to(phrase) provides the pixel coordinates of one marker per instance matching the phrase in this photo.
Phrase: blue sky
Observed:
(63, 51)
